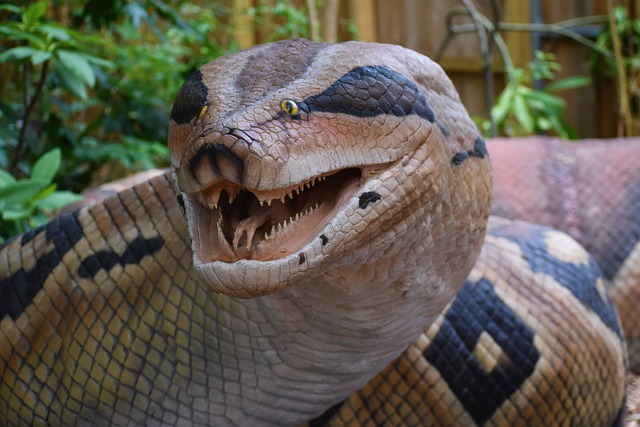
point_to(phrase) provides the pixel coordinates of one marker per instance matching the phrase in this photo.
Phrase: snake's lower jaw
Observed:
(231, 223)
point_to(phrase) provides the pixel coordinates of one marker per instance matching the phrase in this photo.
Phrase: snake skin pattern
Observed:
(299, 264)
(590, 190)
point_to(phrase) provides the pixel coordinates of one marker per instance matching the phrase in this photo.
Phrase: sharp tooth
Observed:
(290, 195)
(231, 199)
(219, 227)
(298, 190)
(316, 206)
(268, 202)
(261, 203)
(284, 225)
(266, 236)
(282, 200)
(313, 182)
(273, 230)
(213, 206)
(308, 185)
(297, 217)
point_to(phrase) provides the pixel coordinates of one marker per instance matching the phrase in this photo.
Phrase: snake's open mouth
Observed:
(235, 223)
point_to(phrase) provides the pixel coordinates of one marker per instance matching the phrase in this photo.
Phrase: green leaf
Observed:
(40, 57)
(34, 12)
(523, 115)
(22, 191)
(58, 200)
(18, 53)
(6, 178)
(44, 193)
(568, 83)
(543, 123)
(70, 81)
(78, 65)
(38, 219)
(501, 109)
(15, 213)
(11, 8)
(47, 166)
(546, 101)
(55, 31)
(15, 33)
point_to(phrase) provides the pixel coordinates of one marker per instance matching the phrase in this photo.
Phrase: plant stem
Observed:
(476, 17)
(623, 97)
(17, 156)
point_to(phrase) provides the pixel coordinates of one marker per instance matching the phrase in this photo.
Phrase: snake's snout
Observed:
(211, 163)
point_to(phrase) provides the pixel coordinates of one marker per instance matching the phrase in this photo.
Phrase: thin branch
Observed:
(486, 58)
(562, 28)
(623, 97)
(17, 156)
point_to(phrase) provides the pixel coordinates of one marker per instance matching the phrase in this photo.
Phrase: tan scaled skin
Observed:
(157, 345)
(134, 323)
(588, 189)
(279, 153)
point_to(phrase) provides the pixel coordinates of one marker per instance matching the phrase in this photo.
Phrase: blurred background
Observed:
(86, 86)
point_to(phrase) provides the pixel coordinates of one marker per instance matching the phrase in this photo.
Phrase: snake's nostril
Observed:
(215, 162)
(229, 166)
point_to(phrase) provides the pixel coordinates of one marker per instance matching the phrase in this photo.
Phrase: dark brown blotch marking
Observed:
(479, 151)
(190, 99)
(366, 198)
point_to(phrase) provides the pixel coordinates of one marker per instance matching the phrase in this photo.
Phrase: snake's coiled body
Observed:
(590, 190)
(336, 199)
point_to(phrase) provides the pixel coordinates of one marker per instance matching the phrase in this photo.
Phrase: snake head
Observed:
(296, 157)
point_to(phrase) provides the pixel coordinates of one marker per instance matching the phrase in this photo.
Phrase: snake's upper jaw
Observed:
(232, 223)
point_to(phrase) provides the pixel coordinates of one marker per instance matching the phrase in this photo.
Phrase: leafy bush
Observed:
(619, 56)
(99, 88)
(521, 110)
(25, 203)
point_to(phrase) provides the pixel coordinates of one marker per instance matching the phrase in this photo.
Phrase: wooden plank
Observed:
(391, 22)
(243, 24)
(518, 43)
(468, 65)
(364, 14)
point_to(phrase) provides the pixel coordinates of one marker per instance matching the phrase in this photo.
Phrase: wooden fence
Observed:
(422, 25)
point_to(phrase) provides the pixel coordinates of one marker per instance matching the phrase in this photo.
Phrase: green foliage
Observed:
(107, 85)
(618, 57)
(41, 42)
(282, 19)
(628, 31)
(24, 203)
(521, 110)
(99, 89)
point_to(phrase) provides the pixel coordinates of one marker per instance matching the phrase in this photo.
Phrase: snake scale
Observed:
(321, 253)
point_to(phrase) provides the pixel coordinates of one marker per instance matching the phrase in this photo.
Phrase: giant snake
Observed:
(337, 266)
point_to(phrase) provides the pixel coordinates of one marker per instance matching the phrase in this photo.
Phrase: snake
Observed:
(321, 252)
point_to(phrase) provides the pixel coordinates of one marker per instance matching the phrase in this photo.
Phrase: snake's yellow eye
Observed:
(202, 111)
(290, 107)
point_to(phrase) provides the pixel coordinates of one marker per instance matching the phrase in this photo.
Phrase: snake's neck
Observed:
(328, 338)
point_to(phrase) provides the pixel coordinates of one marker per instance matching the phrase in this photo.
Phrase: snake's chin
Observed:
(232, 223)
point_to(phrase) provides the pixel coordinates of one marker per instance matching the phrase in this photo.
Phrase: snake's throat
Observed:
(234, 223)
